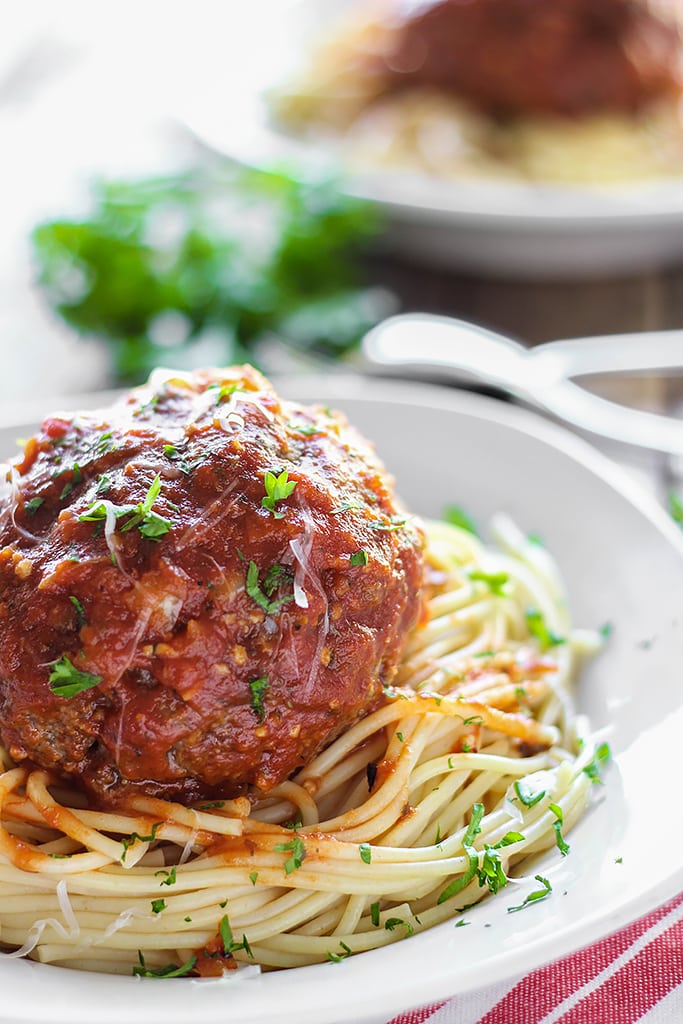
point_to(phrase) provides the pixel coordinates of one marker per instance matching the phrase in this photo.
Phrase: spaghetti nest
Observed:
(475, 762)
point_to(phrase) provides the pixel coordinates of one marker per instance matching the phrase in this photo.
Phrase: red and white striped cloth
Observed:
(635, 974)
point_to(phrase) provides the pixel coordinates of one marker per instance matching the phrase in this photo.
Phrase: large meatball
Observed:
(557, 57)
(199, 588)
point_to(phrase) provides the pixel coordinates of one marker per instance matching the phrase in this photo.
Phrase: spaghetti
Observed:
(475, 762)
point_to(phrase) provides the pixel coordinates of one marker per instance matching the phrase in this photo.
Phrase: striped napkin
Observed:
(636, 974)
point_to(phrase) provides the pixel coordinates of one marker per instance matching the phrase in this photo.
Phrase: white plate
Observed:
(506, 227)
(622, 559)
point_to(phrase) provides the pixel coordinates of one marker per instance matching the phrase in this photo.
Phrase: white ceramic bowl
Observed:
(623, 563)
(506, 227)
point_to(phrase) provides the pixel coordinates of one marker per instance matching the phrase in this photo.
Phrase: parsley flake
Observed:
(298, 851)
(66, 680)
(535, 896)
(277, 489)
(33, 505)
(538, 628)
(258, 689)
(169, 971)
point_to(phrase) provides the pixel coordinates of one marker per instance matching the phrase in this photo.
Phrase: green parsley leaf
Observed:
(359, 558)
(66, 680)
(169, 876)
(538, 628)
(80, 611)
(374, 914)
(676, 508)
(490, 871)
(154, 526)
(528, 797)
(135, 837)
(456, 516)
(395, 523)
(277, 489)
(103, 484)
(346, 506)
(495, 581)
(258, 689)
(365, 851)
(535, 896)
(158, 906)
(33, 505)
(473, 830)
(392, 923)
(562, 845)
(336, 958)
(253, 589)
(169, 971)
(298, 851)
(600, 760)
(253, 876)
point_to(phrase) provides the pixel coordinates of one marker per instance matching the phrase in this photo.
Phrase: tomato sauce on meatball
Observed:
(548, 57)
(200, 588)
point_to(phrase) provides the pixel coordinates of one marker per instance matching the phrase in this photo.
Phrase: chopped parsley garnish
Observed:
(606, 630)
(66, 680)
(676, 508)
(374, 914)
(598, 763)
(80, 611)
(473, 830)
(135, 837)
(336, 958)
(253, 876)
(296, 847)
(359, 558)
(224, 390)
(277, 489)
(169, 971)
(229, 944)
(212, 806)
(456, 516)
(538, 628)
(535, 896)
(33, 505)
(158, 906)
(392, 923)
(534, 538)
(150, 524)
(103, 484)
(169, 876)
(76, 478)
(104, 443)
(495, 581)
(271, 582)
(528, 796)
(346, 506)
(307, 429)
(258, 689)
(491, 872)
(395, 523)
(562, 845)
(184, 465)
(365, 851)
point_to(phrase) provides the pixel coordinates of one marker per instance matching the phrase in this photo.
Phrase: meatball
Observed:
(520, 57)
(200, 588)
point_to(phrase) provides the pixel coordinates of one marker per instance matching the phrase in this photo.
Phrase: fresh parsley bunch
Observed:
(201, 267)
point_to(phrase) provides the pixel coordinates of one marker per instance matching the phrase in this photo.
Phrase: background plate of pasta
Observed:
(507, 137)
(507, 794)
